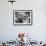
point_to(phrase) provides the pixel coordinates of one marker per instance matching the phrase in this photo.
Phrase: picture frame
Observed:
(22, 17)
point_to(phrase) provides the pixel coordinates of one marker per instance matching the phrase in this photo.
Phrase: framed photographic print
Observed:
(22, 17)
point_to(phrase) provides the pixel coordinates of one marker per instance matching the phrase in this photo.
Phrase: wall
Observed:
(38, 30)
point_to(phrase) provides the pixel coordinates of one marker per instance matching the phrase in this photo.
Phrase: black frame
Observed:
(23, 24)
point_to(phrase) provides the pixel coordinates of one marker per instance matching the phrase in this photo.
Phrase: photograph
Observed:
(22, 17)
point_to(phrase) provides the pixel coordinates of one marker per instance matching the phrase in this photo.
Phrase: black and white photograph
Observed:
(22, 17)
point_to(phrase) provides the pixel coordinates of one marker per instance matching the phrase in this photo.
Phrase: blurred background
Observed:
(8, 31)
